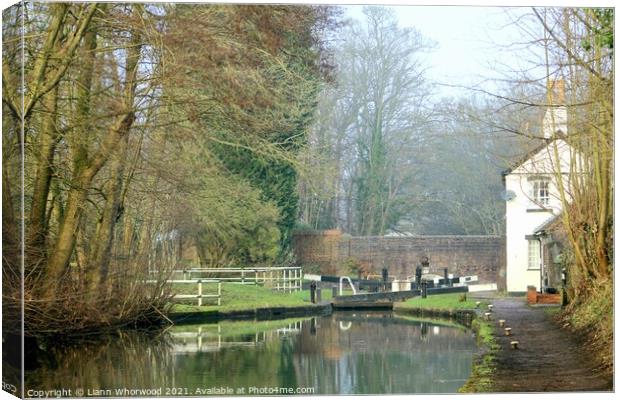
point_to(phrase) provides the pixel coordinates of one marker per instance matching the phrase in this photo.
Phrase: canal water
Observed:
(343, 353)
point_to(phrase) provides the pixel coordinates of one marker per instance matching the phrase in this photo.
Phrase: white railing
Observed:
(199, 296)
(286, 279)
(343, 278)
(294, 327)
(192, 342)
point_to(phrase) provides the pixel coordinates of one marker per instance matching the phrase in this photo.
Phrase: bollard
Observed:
(418, 277)
(384, 276)
(514, 344)
(334, 291)
(490, 307)
(313, 292)
(477, 304)
(445, 276)
(487, 315)
(502, 322)
(508, 331)
(423, 290)
(318, 294)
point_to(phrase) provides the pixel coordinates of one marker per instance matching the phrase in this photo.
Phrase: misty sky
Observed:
(468, 41)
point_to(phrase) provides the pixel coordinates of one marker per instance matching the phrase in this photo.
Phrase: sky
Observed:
(467, 41)
(470, 36)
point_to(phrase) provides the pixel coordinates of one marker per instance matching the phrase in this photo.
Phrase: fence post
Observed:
(199, 292)
(242, 276)
(219, 293)
(313, 292)
(255, 277)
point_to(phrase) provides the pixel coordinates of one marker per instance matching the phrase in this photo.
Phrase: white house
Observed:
(533, 199)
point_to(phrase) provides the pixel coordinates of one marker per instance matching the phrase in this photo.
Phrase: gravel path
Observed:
(549, 359)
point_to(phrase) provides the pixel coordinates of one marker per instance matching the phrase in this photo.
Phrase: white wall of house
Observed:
(526, 211)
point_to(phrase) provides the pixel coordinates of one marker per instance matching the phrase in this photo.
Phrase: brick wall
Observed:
(462, 255)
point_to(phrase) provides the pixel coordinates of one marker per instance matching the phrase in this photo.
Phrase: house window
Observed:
(540, 191)
(533, 254)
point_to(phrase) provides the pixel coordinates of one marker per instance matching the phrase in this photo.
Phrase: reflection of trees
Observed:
(233, 367)
(423, 330)
(12, 361)
(366, 358)
(127, 359)
(286, 370)
(403, 357)
(268, 363)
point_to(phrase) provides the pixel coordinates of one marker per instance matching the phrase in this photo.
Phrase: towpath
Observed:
(549, 358)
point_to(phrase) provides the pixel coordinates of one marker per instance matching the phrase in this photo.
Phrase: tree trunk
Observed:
(37, 223)
(101, 244)
(10, 236)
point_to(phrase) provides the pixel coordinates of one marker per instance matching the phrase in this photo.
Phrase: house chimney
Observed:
(555, 91)
(556, 118)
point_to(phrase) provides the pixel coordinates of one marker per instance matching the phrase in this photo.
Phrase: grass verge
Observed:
(243, 297)
(448, 302)
(481, 379)
(592, 319)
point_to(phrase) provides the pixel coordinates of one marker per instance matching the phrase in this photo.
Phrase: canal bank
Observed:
(262, 313)
(250, 302)
(260, 303)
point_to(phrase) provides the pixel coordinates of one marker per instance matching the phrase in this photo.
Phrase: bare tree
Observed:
(378, 112)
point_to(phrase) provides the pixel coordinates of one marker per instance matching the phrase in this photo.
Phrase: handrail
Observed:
(342, 278)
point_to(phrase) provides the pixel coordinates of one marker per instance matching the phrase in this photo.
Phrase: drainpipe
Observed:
(542, 263)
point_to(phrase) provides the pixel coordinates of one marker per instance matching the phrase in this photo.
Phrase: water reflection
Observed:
(345, 353)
